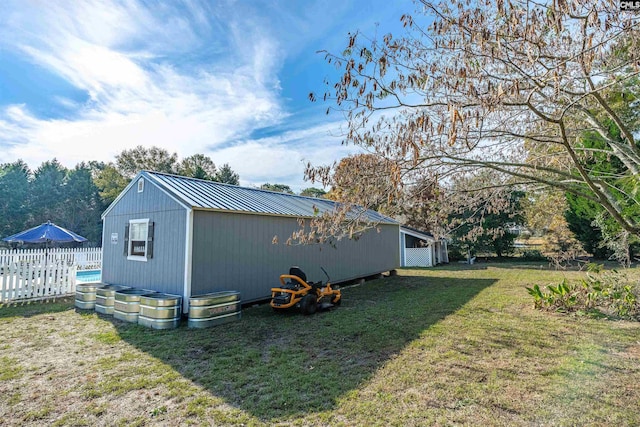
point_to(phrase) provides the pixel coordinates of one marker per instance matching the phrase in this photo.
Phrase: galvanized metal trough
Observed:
(214, 309)
(86, 295)
(126, 306)
(105, 298)
(160, 311)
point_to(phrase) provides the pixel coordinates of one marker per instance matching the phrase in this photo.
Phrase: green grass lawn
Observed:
(446, 346)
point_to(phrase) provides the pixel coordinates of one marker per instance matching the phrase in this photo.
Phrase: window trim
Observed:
(144, 258)
(140, 185)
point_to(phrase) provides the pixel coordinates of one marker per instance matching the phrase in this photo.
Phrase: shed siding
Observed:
(235, 252)
(165, 271)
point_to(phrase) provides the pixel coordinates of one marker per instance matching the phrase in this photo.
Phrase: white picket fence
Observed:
(36, 273)
(26, 280)
(82, 258)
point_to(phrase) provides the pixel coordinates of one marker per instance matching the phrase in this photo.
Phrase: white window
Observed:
(138, 241)
(140, 185)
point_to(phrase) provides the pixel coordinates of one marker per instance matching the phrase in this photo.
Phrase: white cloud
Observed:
(137, 97)
(281, 159)
(189, 79)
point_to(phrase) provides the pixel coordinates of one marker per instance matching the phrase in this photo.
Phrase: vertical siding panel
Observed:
(267, 257)
(240, 255)
(261, 255)
(234, 234)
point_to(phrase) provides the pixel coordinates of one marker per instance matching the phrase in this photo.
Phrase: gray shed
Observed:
(188, 237)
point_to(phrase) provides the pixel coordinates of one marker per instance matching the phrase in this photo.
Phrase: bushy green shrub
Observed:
(610, 293)
(533, 255)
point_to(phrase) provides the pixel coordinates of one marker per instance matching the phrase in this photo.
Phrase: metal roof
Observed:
(417, 233)
(201, 194)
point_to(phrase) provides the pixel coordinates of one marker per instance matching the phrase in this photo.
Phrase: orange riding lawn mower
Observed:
(307, 296)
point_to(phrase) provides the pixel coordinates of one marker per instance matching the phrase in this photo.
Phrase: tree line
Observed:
(75, 198)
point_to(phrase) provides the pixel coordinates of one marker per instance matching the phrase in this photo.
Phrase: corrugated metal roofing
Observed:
(200, 194)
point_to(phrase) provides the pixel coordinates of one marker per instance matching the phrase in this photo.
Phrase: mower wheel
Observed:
(309, 304)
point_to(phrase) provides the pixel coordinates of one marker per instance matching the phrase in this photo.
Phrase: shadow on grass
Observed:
(280, 365)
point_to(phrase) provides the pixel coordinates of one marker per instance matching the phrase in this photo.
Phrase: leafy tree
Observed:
(14, 187)
(504, 86)
(198, 166)
(580, 216)
(487, 230)
(226, 175)
(545, 215)
(130, 162)
(156, 159)
(47, 196)
(424, 207)
(83, 205)
(364, 179)
(588, 218)
(313, 192)
(620, 242)
(109, 181)
(280, 188)
(67, 197)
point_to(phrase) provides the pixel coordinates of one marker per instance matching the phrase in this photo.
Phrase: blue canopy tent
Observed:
(45, 233)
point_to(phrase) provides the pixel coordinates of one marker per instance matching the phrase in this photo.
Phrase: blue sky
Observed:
(84, 80)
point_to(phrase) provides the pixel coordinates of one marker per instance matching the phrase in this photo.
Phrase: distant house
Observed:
(188, 237)
(421, 249)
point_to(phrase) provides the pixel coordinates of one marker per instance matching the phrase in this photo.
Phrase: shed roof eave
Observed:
(417, 235)
(150, 179)
(204, 209)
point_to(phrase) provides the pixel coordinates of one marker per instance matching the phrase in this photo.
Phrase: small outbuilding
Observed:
(189, 237)
(421, 249)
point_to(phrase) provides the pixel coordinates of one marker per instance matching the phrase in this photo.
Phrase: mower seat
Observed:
(295, 271)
